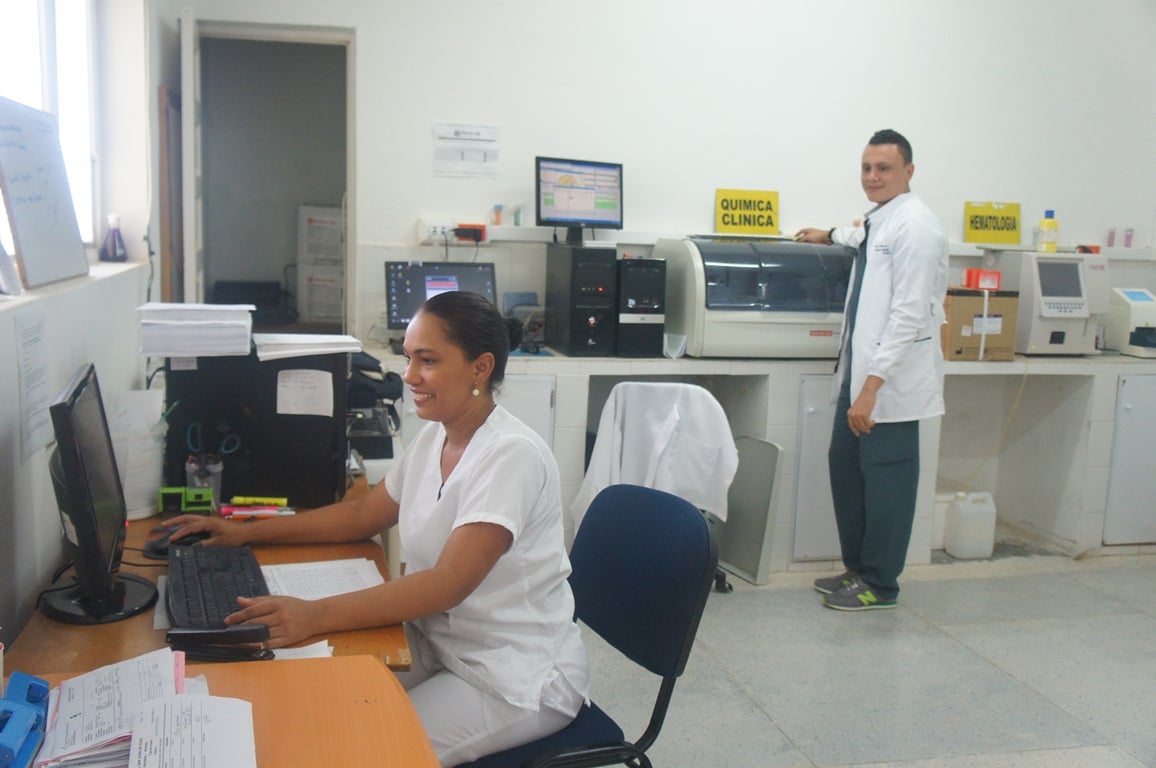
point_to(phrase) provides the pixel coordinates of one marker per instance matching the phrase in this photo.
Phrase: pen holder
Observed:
(206, 474)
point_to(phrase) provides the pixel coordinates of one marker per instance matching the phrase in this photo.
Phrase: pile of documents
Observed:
(138, 712)
(195, 330)
(275, 346)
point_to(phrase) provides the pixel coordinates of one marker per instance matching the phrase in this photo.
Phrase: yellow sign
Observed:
(746, 211)
(991, 223)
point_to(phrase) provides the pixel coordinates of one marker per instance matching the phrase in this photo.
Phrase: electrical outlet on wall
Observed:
(432, 231)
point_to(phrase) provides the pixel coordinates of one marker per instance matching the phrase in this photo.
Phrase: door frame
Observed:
(191, 32)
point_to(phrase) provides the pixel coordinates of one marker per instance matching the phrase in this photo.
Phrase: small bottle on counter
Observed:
(1049, 233)
(112, 249)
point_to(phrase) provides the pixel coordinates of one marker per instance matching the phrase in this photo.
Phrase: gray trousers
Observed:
(874, 478)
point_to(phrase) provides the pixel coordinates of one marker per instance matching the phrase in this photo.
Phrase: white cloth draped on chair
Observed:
(670, 436)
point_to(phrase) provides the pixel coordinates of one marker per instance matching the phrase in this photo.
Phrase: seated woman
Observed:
(497, 658)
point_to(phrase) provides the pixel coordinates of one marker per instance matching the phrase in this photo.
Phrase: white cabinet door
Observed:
(1130, 515)
(530, 397)
(816, 537)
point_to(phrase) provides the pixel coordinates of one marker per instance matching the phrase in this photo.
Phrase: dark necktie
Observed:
(860, 268)
(853, 303)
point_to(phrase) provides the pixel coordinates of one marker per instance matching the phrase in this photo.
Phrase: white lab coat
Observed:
(670, 436)
(897, 327)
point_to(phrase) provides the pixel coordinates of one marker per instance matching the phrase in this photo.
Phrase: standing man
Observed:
(889, 375)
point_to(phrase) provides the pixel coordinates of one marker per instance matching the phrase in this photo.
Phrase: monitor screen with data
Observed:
(577, 195)
(408, 284)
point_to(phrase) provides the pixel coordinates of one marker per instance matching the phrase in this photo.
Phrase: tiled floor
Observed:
(1025, 662)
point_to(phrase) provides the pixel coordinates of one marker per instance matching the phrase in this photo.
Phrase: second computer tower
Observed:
(641, 307)
(581, 314)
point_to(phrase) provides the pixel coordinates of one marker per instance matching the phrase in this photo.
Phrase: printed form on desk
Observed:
(314, 581)
(135, 713)
(194, 732)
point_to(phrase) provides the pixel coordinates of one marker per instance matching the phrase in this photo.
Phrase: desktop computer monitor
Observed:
(92, 511)
(408, 284)
(577, 194)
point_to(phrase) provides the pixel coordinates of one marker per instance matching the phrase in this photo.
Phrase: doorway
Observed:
(272, 166)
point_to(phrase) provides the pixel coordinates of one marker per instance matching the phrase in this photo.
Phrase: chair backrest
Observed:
(644, 561)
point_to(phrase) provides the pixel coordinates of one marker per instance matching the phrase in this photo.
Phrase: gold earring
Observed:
(476, 392)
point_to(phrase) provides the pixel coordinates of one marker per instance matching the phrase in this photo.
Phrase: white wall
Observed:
(86, 319)
(1002, 101)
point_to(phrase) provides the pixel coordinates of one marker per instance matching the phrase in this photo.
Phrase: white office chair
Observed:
(670, 436)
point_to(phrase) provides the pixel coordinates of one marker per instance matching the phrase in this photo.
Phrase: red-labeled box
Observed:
(981, 279)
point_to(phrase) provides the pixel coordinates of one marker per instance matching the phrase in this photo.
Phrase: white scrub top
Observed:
(516, 631)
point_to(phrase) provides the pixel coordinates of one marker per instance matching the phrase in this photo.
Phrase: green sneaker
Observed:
(833, 583)
(857, 596)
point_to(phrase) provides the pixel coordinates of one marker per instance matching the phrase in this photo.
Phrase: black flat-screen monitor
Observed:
(92, 511)
(577, 194)
(408, 284)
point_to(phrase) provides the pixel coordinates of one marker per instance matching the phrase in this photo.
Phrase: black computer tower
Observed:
(641, 307)
(263, 421)
(581, 315)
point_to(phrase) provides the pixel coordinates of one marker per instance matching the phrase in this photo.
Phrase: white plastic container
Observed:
(137, 427)
(140, 459)
(970, 532)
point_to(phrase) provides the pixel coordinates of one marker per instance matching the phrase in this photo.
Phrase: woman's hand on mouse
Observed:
(222, 533)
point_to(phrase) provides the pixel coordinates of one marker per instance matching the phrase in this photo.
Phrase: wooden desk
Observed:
(347, 710)
(47, 646)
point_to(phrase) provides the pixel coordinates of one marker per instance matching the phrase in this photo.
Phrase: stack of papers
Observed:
(136, 712)
(195, 330)
(274, 346)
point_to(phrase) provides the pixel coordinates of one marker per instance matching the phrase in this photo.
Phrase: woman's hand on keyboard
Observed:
(290, 619)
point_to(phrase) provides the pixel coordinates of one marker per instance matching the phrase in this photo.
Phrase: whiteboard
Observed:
(39, 203)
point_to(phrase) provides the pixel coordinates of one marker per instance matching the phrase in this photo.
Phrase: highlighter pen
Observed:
(236, 511)
(272, 501)
(259, 516)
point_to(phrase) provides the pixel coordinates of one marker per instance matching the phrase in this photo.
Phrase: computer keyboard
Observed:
(204, 583)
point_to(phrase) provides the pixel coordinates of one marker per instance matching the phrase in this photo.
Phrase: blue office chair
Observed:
(644, 561)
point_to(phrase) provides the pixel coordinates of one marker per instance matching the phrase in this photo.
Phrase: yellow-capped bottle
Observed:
(1049, 233)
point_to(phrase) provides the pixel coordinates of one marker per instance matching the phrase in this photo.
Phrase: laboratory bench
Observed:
(1036, 432)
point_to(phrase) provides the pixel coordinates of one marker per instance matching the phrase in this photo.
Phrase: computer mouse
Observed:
(158, 548)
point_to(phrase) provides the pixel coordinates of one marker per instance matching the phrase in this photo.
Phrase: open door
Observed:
(191, 187)
(172, 245)
(291, 86)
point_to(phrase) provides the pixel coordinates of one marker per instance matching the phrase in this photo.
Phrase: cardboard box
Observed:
(968, 327)
(320, 264)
